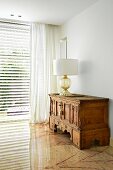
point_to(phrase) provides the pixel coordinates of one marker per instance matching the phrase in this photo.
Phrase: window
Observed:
(14, 68)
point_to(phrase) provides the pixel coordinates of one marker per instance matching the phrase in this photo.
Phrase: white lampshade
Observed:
(65, 67)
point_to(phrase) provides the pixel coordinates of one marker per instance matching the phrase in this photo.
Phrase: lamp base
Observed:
(65, 83)
(65, 93)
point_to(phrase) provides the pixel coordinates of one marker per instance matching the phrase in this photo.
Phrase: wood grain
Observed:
(84, 117)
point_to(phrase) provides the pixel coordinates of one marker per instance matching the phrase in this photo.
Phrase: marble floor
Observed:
(24, 147)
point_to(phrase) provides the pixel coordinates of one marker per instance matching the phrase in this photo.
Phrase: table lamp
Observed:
(65, 67)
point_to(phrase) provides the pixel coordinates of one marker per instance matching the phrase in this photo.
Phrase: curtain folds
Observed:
(44, 48)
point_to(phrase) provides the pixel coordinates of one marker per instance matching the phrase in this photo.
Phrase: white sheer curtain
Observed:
(44, 48)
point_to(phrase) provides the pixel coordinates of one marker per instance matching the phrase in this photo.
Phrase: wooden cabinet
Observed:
(84, 117)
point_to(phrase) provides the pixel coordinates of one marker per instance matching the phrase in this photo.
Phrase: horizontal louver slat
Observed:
(14, 68)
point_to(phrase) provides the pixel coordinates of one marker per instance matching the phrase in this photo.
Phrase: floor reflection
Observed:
(14, 146)
(24, 147)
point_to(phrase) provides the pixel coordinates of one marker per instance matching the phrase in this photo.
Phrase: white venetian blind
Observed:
(14, 68)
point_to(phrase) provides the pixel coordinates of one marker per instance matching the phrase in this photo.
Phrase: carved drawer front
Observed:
(67, 110)
(51, 106)
(60, 109)
(57, 121)
(54, 107)
(75, 115)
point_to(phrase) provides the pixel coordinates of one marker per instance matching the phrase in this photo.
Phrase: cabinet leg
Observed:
(55, 128)
(71, 136)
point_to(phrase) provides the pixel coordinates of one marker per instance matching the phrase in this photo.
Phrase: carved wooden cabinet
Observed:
(84, 117)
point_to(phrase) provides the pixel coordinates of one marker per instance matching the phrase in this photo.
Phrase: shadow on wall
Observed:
(85, 67)
(85, 75)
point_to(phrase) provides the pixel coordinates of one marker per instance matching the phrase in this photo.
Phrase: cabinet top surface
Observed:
(77, 97)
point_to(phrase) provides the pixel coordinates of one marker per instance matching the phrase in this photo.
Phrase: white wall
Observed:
(90, 39)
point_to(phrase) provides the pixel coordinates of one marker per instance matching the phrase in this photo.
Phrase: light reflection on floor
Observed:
(38, 148)
(14, 146)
